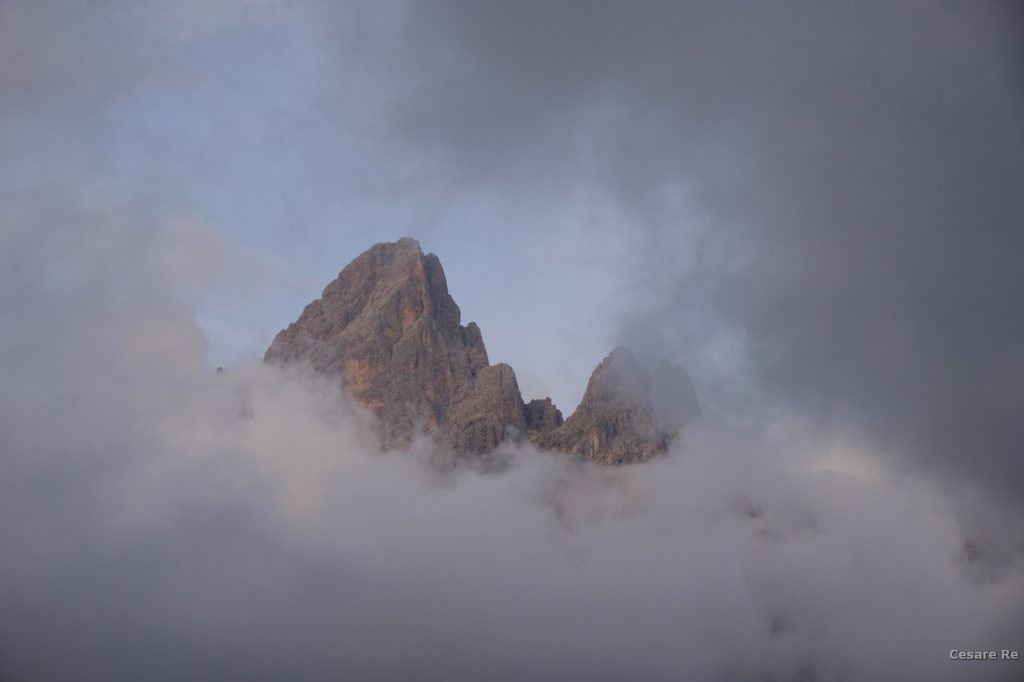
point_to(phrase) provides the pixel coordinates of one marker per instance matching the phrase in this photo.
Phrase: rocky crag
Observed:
(390, 331)
(629, 413)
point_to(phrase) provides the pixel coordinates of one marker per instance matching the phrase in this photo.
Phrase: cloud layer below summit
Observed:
(815, 209)
(162, 520)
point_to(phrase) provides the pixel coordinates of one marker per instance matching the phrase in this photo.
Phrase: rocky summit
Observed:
(388, 328)
(629, 413)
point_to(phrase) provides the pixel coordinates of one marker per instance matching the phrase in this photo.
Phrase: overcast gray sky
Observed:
(816, 207)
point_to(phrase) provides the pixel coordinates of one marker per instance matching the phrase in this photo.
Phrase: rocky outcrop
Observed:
(485, 412)
(390, 331)
(628, 413)
(388, 327)
(542, 415)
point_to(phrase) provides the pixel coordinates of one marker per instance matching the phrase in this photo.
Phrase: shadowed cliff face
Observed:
(389, 328)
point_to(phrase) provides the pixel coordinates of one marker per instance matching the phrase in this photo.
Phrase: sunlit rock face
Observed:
(389, 329)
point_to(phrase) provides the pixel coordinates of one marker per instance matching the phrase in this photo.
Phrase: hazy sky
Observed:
(814, 204)
(816, 207)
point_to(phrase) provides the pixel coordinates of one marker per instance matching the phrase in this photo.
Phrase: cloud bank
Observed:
(814, 207)
(164, 521)
(818, 197)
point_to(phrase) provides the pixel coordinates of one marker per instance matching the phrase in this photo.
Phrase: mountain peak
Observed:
(628, 413)
(388, 328)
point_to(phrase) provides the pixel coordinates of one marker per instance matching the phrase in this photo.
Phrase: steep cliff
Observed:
(388, 327)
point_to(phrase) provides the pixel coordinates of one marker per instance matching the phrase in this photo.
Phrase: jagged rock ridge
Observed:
(390, 330)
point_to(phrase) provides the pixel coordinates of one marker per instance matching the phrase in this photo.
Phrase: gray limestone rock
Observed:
(628, 414)
(485, 412)
(542, 415)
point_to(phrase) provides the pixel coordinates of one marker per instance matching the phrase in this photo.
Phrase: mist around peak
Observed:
(170, 521)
